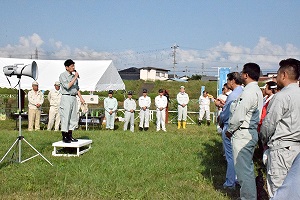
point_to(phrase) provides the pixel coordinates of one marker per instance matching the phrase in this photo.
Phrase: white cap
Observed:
(35, 83)
(57, 83)
(263, 87)
(182, 87)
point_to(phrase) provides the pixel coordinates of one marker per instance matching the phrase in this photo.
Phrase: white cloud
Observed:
(265, 53)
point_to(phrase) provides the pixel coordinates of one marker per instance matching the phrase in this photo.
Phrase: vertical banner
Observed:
(222, 71)
(202, 90)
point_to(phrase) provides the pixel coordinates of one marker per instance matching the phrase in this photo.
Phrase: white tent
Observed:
(95, 75)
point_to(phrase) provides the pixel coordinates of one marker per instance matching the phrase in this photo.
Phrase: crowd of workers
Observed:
(247, 116)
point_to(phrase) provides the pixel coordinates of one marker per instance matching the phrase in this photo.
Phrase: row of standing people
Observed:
(144, 102)
(278, 119)
(36, 99)
(161, 103)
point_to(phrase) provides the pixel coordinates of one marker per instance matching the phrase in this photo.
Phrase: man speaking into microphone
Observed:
(69, 88)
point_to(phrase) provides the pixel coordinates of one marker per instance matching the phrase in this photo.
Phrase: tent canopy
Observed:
(95, 75)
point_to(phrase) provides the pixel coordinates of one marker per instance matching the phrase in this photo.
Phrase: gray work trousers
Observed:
(68, 113)
(243, 144)
(279, 163)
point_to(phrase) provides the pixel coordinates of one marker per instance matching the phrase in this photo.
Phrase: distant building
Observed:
(132, 73)
(153, 74)
(268, 77)
(209, 78)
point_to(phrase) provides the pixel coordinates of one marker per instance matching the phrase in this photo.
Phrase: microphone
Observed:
(78, 74)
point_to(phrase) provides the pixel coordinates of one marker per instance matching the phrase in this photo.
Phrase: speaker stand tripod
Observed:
(21, 138)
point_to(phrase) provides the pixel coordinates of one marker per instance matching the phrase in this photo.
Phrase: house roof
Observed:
(149, 68)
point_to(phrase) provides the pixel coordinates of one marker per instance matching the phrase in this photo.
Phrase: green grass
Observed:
(178, 164)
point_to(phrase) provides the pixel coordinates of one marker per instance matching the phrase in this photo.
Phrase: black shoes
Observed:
(145, 129)
(71, 137)
(65, 138)
(200, 122)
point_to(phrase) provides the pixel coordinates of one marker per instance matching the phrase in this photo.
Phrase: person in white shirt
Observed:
(54, 97)
(129, 107)
(204, 105)
(110, 107)
(182, 100)
(35, 101)
(161, 102)
(144, 104)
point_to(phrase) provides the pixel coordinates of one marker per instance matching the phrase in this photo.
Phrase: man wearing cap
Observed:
(144, 103)
(110, 107)
(129, 107)
(35, 101)
(69, 89)
(161, 102)
(182, 100)
(54, 97)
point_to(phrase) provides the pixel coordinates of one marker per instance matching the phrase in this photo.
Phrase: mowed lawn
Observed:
(177, 164)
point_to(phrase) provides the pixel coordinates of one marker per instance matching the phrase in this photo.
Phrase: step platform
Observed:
(81, 147)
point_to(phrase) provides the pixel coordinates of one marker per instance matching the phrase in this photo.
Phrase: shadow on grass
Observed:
(214, 167)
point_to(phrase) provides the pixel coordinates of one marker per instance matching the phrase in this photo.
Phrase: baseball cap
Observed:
(145, 91)
(35, 83)
(57, 83)
(160, 91)
(129, 93)
(182, 87)
(110, 92)
(263, 87)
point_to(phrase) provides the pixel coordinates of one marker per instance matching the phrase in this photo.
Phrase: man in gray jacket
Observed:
(280, 129)
(245, 114)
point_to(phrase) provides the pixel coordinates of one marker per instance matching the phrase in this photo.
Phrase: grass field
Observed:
(178, 164)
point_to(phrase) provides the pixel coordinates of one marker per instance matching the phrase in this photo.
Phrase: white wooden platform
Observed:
(77, 145)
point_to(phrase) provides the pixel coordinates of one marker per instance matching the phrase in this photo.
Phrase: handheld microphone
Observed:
(78, 74)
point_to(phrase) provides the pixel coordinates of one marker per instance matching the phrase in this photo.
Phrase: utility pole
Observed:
(36, 54)
(174, 47)
(186, 71)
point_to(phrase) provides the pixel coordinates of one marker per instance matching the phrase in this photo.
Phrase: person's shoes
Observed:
(208, 123)
(232, 187)
(65, 139)
(146, 128)
(140, 128)
(199, 122)
(71, 137)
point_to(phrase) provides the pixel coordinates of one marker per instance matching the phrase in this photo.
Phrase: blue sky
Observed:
(210, 34)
